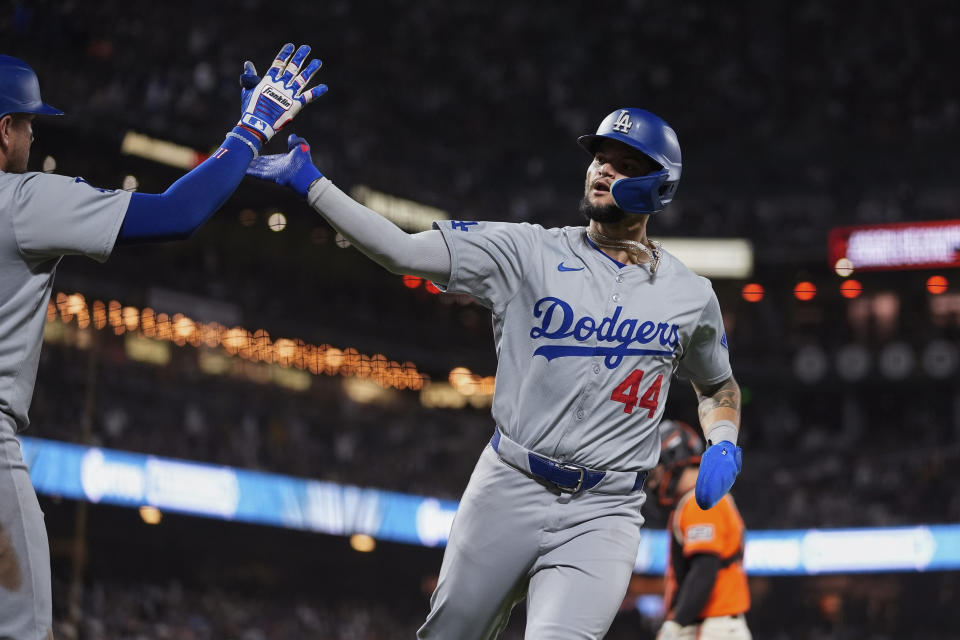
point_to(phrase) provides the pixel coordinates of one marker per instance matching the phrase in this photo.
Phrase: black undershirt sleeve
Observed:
(696, 587)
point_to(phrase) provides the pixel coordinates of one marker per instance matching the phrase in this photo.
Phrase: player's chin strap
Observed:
(641, 194)
(633, 247)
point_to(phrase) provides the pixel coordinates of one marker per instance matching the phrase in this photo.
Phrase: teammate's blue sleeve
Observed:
(188, 203)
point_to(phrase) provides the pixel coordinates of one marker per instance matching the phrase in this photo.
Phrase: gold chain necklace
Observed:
(632, 247)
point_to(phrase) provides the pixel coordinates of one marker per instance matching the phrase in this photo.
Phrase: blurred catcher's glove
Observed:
(719, 467)
(268, 103)
(294, 169)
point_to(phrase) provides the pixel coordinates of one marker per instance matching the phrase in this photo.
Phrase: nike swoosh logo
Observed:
(561, 267)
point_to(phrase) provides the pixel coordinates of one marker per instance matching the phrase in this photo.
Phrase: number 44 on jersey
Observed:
(628, 392)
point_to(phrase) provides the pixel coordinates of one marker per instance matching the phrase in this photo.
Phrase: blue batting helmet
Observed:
(20, 90)
(649, 134)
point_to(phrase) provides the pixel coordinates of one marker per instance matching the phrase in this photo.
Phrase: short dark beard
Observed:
(607, 214)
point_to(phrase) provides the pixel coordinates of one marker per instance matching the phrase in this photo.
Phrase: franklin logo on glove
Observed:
(279, 98)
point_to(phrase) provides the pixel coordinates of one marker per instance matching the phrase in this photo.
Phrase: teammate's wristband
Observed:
(245, 135)
(722, 430)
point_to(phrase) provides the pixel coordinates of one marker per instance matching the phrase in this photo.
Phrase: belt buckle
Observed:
(572, 467)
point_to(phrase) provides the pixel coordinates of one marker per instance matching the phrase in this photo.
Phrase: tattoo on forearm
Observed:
(725, 395)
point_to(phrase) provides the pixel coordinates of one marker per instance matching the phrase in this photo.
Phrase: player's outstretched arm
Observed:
(719, 409)
(266, 106)
(422, 254)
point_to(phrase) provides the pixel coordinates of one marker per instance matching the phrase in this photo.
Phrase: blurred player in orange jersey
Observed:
(706, 588)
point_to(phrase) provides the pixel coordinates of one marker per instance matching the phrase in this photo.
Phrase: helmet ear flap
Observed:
(640, 194)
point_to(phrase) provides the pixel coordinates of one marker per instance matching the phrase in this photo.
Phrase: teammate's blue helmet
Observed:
(649, 134)
(20, 89)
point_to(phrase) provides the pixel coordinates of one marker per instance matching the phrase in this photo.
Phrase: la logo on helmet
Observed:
(623, 122)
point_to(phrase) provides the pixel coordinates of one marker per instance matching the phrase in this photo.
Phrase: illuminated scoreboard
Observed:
(908, 245)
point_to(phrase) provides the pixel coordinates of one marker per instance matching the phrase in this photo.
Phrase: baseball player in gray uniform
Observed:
(44, 217)
(590, 326)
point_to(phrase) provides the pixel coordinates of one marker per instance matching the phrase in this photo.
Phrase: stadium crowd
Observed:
(823, 100)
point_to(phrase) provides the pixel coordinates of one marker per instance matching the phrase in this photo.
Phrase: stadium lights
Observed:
(254, 346)
(362, 542)
(150, 515)
(937, 285)
(406, 214)
(468, 383)
(713, 257)
(414, 282)
(805, 291)
(277, 221)
(843, 267)
(441, 395)
(752, 292)
(174, 155)
(851, 289)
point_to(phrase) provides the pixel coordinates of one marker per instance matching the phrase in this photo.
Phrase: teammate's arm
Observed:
(267, 104)
(190, 201)
(696, 587)
(422, 254)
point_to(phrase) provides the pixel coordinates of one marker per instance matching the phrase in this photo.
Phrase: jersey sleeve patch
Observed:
(700, 533)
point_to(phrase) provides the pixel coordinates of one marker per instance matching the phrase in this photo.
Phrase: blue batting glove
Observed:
(719, 467)
(294, 169)
(269, 103)
(249, 80)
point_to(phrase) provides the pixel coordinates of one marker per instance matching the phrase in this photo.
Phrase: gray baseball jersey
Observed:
(586, 349)
(42, 218)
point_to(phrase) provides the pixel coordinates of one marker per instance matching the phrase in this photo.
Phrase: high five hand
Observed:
(269, 103)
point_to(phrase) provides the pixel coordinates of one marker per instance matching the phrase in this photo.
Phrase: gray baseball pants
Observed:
(26, 608)
(571, 556)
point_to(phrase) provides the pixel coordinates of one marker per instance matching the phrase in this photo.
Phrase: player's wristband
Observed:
(722, 430)
(243, 134)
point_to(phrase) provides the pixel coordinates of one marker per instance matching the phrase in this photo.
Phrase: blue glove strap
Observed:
(719, 467)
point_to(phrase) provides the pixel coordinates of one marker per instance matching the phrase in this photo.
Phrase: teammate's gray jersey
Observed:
(42, 218)
(586, 349)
